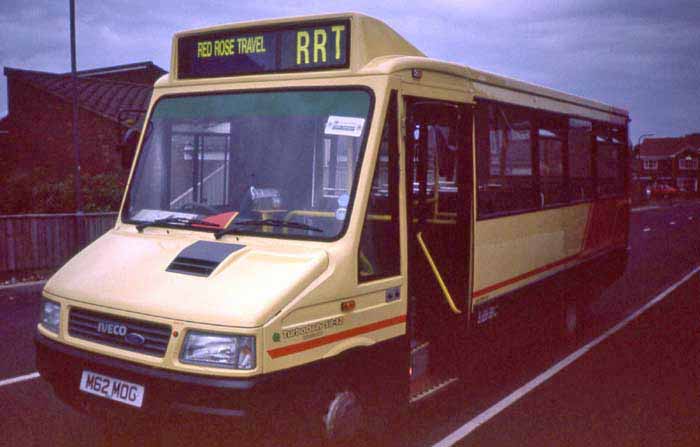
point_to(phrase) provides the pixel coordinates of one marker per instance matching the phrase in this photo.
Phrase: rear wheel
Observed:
(571, 321)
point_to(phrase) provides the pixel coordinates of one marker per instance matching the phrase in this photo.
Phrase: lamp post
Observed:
(76, 139)
(638, 168)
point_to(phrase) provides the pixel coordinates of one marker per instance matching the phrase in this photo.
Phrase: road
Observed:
(624, 384)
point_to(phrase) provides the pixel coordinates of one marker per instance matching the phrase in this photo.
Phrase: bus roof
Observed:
(496, 87)
(339, 45)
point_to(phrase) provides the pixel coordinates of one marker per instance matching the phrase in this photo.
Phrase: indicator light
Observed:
(347, 306)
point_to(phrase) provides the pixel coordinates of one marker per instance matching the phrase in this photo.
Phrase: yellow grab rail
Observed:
(445, 292)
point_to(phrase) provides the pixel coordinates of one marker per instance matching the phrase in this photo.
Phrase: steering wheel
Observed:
(197, 208)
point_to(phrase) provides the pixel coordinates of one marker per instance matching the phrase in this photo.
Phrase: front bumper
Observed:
(167, 393)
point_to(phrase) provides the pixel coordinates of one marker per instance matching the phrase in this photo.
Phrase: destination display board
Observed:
(310, 46)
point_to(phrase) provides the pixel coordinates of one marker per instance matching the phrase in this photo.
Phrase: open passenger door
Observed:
(439, 201)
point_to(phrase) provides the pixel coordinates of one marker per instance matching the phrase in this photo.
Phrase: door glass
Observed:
(379, 254)
(440, 205)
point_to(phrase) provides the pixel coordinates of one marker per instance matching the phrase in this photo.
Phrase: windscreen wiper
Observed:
(175, 220)
(265, 222)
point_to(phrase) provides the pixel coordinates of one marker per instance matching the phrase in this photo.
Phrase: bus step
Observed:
(429, 388)
(419, 360)
(417, 346)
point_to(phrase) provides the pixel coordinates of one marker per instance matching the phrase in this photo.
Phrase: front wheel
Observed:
(331, 417)
(344, 419)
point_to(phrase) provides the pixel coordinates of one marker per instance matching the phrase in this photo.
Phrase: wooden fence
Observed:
(46, 241)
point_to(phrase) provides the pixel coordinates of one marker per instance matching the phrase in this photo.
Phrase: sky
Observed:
(641, 55)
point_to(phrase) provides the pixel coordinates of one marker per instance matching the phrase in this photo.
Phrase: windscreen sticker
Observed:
(340, 213)
(345, 125)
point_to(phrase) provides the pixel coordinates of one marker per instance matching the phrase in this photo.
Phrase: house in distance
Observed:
(671, 161)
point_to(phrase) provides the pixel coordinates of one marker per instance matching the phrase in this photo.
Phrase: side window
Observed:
(379, 254)
(610, 146)
(552, 136)
(580, 159)
(577, 159)
(504, 160)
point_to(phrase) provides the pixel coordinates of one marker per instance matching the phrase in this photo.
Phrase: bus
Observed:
(322, 222)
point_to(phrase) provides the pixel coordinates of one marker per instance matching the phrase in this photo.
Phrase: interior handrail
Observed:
(443, 287)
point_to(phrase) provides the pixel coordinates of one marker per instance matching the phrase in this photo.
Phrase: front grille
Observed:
(84, 324)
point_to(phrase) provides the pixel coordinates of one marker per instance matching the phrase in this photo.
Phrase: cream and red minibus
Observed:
(322, 221)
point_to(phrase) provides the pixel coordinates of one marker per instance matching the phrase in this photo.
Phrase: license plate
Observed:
(111, 388)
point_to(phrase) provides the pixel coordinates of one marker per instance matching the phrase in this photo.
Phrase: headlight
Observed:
(224, 351)
(50, 316)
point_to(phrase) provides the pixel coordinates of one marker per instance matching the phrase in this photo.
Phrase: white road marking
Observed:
(513, 397)
(32, 376)
(644, 208)
(647, 229)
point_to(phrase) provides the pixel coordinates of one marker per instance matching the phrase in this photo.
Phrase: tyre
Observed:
(571, 321)
(344, 420)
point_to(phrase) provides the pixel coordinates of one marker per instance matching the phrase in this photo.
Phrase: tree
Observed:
(36, 192)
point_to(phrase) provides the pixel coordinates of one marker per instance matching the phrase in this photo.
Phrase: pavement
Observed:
(638, 386)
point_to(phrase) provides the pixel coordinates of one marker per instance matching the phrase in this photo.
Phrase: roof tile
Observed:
(102, 96)
(668, 147)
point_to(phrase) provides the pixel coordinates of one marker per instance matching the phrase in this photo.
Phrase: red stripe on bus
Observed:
(525, 275)
(315, 343)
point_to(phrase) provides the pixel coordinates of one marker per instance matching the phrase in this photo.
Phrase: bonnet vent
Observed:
(202, 258)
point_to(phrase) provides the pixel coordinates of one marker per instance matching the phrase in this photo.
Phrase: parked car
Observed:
(661, 191)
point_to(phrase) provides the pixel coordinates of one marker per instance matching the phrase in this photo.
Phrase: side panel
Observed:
(513, 251)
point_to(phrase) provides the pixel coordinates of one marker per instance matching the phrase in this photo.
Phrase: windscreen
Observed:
(277, 163)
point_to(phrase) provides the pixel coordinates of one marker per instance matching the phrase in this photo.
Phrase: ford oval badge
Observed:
(135, 339)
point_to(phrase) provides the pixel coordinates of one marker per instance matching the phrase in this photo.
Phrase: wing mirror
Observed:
(127, 147)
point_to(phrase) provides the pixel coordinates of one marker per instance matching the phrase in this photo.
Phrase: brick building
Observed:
(670, 161)
(39, 120)
(4, 135)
